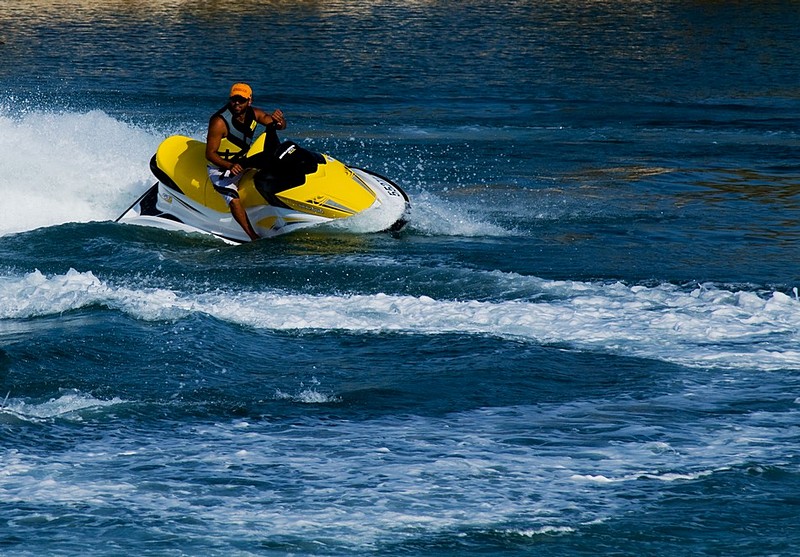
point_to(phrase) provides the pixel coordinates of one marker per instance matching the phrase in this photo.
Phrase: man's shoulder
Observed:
(219, 113)
(217, 121)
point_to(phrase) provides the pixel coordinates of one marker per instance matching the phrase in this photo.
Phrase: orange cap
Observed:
(241, 90)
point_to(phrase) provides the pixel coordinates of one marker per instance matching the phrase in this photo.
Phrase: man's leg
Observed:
(240, 216)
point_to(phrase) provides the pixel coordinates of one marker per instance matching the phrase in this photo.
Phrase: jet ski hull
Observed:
(309, 194)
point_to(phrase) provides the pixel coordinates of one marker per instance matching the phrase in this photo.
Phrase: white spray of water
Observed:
(704, 327)
(69, 167)
(69, 405)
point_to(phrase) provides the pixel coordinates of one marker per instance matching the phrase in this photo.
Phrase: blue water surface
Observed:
(584, 342)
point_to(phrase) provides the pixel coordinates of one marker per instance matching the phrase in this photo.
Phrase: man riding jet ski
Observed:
(267, 187)
(237, 121)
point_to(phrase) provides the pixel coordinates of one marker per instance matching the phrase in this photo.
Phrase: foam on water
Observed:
(548, 530)
(703, 327)
(308, 395)
(68, 405)
(432, 215)
(87, 167)
(362, 483)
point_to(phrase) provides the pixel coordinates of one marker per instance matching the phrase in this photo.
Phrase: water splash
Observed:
(88, 167)
(705, 326)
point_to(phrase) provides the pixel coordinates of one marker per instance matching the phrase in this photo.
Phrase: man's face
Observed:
(238, 104)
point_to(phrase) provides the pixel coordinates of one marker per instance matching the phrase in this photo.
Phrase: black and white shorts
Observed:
(227, 186)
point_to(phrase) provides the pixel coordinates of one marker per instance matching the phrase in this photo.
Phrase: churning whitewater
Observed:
(700, 327)
(584, 341)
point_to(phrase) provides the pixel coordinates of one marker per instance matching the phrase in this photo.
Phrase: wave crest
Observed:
(703, 327)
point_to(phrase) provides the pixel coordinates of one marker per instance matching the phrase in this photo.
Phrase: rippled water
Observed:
(584, 342)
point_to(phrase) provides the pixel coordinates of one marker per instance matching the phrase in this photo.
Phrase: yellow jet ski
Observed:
(289, 190)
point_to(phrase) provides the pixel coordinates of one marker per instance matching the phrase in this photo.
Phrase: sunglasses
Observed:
(238, 100)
